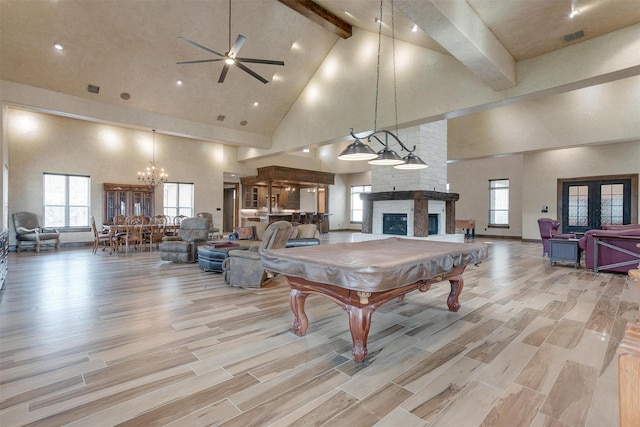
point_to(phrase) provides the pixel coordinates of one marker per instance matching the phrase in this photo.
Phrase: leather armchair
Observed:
(183, 247)
(243, 267)
(214, 230)
(28, 230)
(549, 230)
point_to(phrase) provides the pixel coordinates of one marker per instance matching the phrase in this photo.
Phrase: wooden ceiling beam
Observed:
(320, 16)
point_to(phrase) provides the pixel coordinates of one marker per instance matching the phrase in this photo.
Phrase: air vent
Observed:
(574, 36)
(93, 89)
(221, 118)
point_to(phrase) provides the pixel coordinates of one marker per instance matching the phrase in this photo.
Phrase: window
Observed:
(178, 199)
(357, 206)
(66, 200)
(499, 202)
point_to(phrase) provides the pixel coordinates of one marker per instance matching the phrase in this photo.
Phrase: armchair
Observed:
(183, 247)
(549, 230)
(243, 267)
(28, 230)
(214, 230)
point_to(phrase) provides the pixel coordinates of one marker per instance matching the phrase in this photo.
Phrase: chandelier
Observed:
(358, 150)
(149, 176)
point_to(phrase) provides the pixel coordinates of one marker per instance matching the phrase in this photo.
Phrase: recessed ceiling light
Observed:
(255, 104)
(179, 82)
(58, 46)
(574, 13)
(414, 28)
(126, 96)
(305, 150)
(243, 123)
(229, 61)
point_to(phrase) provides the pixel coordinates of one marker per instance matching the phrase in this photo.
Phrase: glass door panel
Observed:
(578, 215)
(612, 204)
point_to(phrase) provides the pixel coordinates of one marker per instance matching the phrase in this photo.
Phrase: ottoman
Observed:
(211, 256)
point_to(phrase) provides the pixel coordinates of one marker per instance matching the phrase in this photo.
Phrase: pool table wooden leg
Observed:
(300, 321)
(456, 288)
(359, 324)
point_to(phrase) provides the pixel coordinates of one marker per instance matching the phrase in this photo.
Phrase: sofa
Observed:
(617, 249)
(183, 247)
(252, 235)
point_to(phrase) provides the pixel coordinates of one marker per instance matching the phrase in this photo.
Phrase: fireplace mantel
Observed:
(421, 208)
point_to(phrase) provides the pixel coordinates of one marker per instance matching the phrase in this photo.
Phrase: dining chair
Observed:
(133, 233)
(118, 232)
(98, 236)
(156, 231)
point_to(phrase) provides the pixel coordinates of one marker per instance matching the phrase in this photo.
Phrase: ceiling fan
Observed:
(230, 57)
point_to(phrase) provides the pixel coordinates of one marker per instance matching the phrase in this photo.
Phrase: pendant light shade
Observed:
(357, 151)
(387, 157)
(411, 161)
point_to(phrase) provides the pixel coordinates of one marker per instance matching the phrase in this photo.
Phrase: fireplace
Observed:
(417, 205)
(394, 223)
(433, 224)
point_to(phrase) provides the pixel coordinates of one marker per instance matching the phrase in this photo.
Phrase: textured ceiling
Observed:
(131, 46)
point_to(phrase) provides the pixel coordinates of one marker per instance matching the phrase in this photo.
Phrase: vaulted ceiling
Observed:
(129, 48)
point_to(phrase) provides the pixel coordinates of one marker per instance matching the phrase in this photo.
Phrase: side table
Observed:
(564, 250)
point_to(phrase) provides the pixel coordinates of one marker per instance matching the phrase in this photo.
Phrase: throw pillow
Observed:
(260, 228)
(245, 233)
(306, 231)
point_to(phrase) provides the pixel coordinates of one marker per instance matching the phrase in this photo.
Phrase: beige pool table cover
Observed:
(376, 265)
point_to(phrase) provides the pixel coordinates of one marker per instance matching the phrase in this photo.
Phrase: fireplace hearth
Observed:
(394, 223)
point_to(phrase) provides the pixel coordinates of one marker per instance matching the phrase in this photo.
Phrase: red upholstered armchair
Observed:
(548, 230)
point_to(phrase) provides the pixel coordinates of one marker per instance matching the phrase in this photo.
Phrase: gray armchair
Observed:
(243, 267)
(214, 230)
(183, 247)
(28, 230)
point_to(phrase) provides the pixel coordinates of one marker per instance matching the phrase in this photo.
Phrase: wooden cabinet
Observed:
(293, 199)
(127, 199)
(251, 197)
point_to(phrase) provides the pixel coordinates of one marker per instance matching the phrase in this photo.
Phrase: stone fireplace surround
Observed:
(415, 203)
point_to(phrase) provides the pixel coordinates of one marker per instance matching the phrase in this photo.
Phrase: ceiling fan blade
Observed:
(260, 61)
(199, 61)
(254, 74)
(199, 45)
(233, 51)
(223, 74)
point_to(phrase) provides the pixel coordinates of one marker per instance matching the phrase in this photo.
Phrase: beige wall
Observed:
(541, 172)
(606, 113)
(533, 182)
(39, 143)
(470, 179)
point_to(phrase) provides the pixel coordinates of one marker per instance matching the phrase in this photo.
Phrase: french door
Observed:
(593, 203)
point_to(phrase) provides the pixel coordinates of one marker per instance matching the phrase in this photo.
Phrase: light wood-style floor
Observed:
(102, 340)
